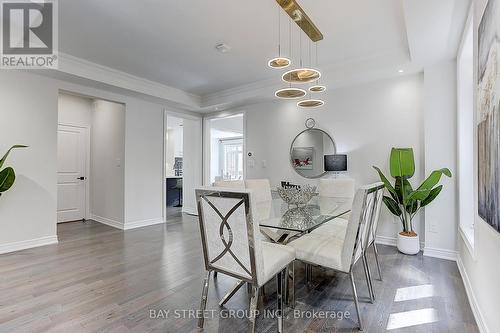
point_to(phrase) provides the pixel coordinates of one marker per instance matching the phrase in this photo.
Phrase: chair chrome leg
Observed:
(279, 299)
(286, 294)
(369, 276)
(292, 291)
(356, 303)
(253, 307)
(231, 293)
(204, 296)
(376, 260)
(368, 280)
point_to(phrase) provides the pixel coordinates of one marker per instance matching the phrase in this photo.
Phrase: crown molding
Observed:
(69, 64)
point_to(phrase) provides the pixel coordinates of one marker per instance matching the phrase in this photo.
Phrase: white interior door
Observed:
(71, 173)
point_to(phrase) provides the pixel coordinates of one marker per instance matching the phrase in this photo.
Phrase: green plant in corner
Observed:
(405, 202)
(7, 175)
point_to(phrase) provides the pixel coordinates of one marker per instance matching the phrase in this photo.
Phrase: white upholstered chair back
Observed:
(229, 233)
(359, 224)
(239, 184)
(261, 189)
(336, 187)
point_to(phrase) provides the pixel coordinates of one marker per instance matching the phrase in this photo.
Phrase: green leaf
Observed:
(2, 161)
(432, 195)
(402, 163)
(7, 178)
(386, 182)
(392, 205)
(412, 206)
(417, 195)
(433, 179)
(403, 188)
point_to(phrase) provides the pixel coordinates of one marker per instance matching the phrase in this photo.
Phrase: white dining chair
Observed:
(228, 230)
(336, 187)
(240, 184)
(342, 254)
(261, 189)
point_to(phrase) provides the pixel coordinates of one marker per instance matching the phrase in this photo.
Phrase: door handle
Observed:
(81, 178)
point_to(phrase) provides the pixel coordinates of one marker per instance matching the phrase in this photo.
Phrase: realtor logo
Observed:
(28, 34)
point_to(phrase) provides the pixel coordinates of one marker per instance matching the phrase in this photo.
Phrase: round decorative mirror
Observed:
(308, 150)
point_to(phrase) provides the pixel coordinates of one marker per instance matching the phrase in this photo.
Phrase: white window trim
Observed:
(467, 234)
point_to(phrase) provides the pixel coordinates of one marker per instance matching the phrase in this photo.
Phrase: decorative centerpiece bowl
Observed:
(297, 196)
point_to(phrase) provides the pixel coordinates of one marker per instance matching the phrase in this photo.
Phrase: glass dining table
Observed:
(286, 219)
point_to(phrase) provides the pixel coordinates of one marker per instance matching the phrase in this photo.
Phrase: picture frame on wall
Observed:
(302, 158)
(488, 115)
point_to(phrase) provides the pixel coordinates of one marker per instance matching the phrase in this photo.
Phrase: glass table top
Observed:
(277, 214)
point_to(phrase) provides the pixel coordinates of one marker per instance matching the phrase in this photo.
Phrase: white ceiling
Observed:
(172, 42)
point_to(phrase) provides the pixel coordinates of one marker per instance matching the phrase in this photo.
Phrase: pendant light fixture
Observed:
(311, 103)
(290, 93)
(302, 74)
(280, 61)
(316, 88)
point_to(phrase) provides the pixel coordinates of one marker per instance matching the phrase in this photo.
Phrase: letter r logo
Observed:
(27, 27)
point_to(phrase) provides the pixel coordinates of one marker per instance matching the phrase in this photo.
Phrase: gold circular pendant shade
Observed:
(317, 88)
(301, 75)
(310, 103)
(290, 93)
(279, 62)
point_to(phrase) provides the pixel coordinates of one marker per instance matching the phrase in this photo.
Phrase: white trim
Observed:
(481, 323)
(89, 70)
(190, 210)
(142, 223)
(440, 253)
(28, 244)
(110, 222)
(467, 241)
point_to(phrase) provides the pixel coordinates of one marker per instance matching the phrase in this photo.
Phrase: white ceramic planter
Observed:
(408, 245)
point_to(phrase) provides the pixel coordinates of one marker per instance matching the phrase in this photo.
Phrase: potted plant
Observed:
(405, 202)
(7, 175)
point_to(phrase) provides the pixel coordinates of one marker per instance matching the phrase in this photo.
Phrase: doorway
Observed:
(182, 164)
(90, 154)
(174, 145)
(225, 148)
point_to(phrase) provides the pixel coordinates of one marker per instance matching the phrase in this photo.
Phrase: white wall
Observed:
(29, 113)
(107, 155)
(29, 104)
(480, 268)
(440, 152)
(75, 110)
(365, 121)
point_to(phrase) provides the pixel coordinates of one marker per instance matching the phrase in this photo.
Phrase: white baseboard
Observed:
(28, 244)
(110, 222)
(190, 210)
(142, 223)
(440, 253)
(127, 225)
(472, 298)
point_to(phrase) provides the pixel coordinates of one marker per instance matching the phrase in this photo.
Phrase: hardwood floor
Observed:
(100, 279)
